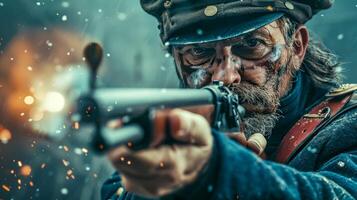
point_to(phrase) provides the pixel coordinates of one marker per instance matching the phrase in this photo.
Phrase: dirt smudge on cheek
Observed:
(198, 78)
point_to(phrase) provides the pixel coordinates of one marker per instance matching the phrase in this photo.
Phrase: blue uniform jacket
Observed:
(326, 168)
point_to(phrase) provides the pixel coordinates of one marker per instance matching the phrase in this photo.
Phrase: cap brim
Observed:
(223, 30)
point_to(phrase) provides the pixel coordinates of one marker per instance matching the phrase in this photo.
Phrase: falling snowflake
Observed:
(121, 16)
(340, 36)
(64, 18)
(341, 163)
(64, 191)
(199, 32)
(49, 43)
(65, 4)
(312, 149)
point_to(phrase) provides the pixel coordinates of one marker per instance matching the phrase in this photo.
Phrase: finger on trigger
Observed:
(159, 127)
(189, 127)
(257, 143)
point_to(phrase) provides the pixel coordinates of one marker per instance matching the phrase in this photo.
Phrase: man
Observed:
(261, 50)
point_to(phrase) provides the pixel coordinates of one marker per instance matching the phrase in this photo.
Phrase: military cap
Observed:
(197, 21)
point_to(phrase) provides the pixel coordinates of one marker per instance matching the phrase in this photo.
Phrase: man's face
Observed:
(257, 66)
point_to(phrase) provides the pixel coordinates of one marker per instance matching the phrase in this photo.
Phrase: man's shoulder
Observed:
(344, 124)
(340, 123)
(342, 131)
(340, 136)
(337, 136)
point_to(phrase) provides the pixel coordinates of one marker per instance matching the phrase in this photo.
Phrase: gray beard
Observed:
(261, 103)
(260, 123)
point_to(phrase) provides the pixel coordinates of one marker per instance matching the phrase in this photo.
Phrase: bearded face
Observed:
(258, 67)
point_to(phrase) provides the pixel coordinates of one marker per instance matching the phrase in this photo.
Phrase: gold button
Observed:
(289, 5)
(270, 8)
(211, 11)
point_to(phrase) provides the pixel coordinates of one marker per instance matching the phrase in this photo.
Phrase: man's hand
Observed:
(255, 142)
(162, 169)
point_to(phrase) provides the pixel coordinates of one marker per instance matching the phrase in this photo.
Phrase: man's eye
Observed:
(253, 43)
(198, 51)
(251, 49)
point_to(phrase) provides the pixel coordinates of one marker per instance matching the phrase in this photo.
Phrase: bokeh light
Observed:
(54, 102)
(25, 170)
(29, 100)
(5, 135)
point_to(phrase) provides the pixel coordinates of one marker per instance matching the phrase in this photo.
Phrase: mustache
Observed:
(261, 104)
(257, 99)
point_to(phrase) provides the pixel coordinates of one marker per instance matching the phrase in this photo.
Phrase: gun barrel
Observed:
(114, 103)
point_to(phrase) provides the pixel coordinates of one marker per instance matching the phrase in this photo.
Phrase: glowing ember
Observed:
(69, 172)
(31, 184)
(5, 135)
(29, 100)
(6, 188)
(54, 102)
(65, 162)
(130, 144)
(19, 163)
(76, 125)
(25, 170)
(65, 148)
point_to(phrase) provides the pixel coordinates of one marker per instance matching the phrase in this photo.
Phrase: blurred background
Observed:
(42, 41)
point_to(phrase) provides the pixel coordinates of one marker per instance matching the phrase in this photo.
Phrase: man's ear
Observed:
(301, 41)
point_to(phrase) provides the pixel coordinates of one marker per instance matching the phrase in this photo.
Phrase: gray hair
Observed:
(320, 63)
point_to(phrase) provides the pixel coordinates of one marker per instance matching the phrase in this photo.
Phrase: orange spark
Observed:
(65, 162)
(76, 125)
(6, 188)
(65, 148)
(25, 170)
(5, 135)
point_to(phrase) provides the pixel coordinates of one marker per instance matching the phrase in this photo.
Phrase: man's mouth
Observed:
(256, 99)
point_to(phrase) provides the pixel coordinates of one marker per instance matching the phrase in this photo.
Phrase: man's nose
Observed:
(226, 67)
